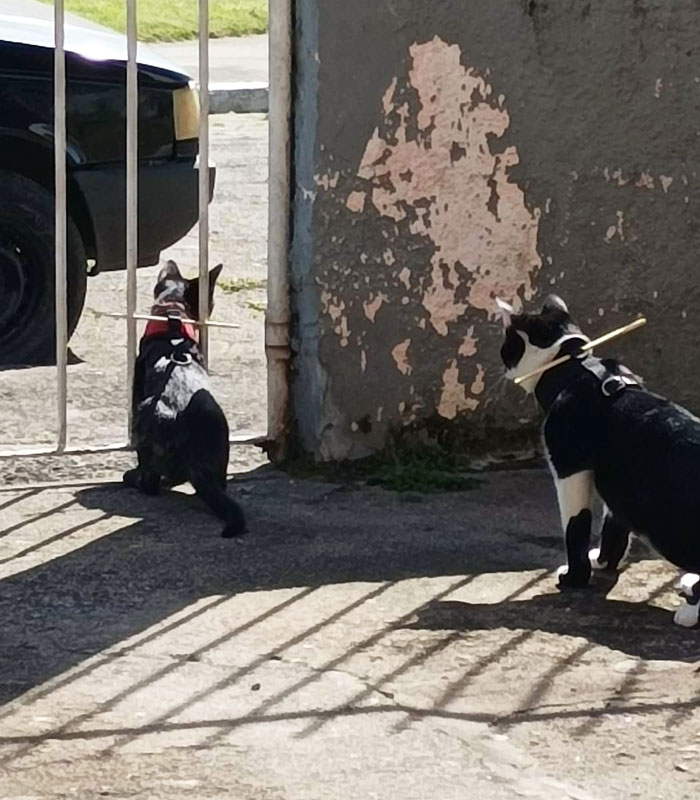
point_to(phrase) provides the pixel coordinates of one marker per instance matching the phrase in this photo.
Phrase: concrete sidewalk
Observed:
(232, 60)
(238, 70)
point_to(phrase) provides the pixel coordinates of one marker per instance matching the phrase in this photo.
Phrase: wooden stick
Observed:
(632, 326)
(209, 323)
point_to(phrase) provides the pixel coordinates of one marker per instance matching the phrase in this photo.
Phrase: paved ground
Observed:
(354, 645)
(239, 59)
(96, 382)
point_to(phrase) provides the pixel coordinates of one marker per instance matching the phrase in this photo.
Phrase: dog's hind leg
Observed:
(143, 478)
(614, 545)
(688, 614)
(212, 490)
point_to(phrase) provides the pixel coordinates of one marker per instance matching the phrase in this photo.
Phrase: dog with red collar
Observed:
(179, 430)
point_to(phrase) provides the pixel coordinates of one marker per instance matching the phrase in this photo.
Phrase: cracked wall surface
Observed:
(443, 159)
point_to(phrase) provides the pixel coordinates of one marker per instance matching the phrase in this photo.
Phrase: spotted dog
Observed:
(179, 430)
(605, 433)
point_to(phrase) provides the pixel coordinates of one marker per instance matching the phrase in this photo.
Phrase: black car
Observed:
(96, 140)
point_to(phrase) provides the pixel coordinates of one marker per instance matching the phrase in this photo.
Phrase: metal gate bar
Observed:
(203, 230)
(61, 304)
(59, 89)
(132, 212)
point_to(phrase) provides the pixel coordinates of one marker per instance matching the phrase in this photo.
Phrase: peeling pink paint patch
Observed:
(617, 229)
(343, 331)
(387, 100)
(645, 181)
(405, 277)
(616, 176)
(453, 397)
(400, 356)
(372, 306)
(455, 178)
(327, 181)
(468, 346)
(478, 385)
(356, 202)
(335, 310)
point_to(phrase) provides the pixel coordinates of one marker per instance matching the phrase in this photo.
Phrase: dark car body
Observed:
(96, 135)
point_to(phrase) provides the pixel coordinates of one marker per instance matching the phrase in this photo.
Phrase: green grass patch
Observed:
(409, 468)
(175, 20)
(234, 285)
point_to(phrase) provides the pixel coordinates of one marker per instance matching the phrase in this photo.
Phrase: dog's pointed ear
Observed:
(192, 291)
(214, 274)
(505, 310)
(213, 278)
(170, 270)
(555, 303)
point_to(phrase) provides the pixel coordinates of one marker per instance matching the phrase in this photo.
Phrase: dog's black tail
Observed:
(225, 507)
(206, 453)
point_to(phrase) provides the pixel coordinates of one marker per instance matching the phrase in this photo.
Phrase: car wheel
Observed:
(27, 302)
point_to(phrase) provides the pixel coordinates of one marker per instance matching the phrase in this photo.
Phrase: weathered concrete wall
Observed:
(450, 152)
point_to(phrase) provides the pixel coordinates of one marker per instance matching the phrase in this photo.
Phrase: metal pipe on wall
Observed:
(277, 317)
(61, 291)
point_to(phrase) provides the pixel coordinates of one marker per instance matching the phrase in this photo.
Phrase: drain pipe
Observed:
(277, 317)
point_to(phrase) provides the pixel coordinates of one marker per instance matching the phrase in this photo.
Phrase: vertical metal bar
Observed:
(132, 102)
(203, 311)
(61, 293)
(277, 318)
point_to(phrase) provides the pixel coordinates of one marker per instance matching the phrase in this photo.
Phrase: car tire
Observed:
(27, 279)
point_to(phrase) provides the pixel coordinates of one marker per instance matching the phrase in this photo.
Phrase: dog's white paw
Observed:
(687, 615)
(594, 558)
(686, 583)
(563, 570)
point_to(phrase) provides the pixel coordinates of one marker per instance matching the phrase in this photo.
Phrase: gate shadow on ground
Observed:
(303, 534)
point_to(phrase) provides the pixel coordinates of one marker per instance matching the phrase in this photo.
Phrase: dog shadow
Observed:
(638, 629)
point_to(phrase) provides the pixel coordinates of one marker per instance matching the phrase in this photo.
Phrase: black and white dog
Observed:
(179, 430)
(604, 432)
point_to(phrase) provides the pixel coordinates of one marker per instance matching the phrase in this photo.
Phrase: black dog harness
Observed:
(610, 383)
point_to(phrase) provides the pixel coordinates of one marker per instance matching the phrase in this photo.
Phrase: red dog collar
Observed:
(160, 327)
(154, 327)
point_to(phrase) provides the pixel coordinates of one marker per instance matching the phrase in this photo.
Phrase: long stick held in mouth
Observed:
(632, 326)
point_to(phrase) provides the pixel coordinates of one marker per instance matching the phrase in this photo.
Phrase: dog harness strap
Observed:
(611, 384)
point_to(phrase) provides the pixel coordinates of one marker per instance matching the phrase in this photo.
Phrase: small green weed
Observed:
(234, 285)
(403, 468)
